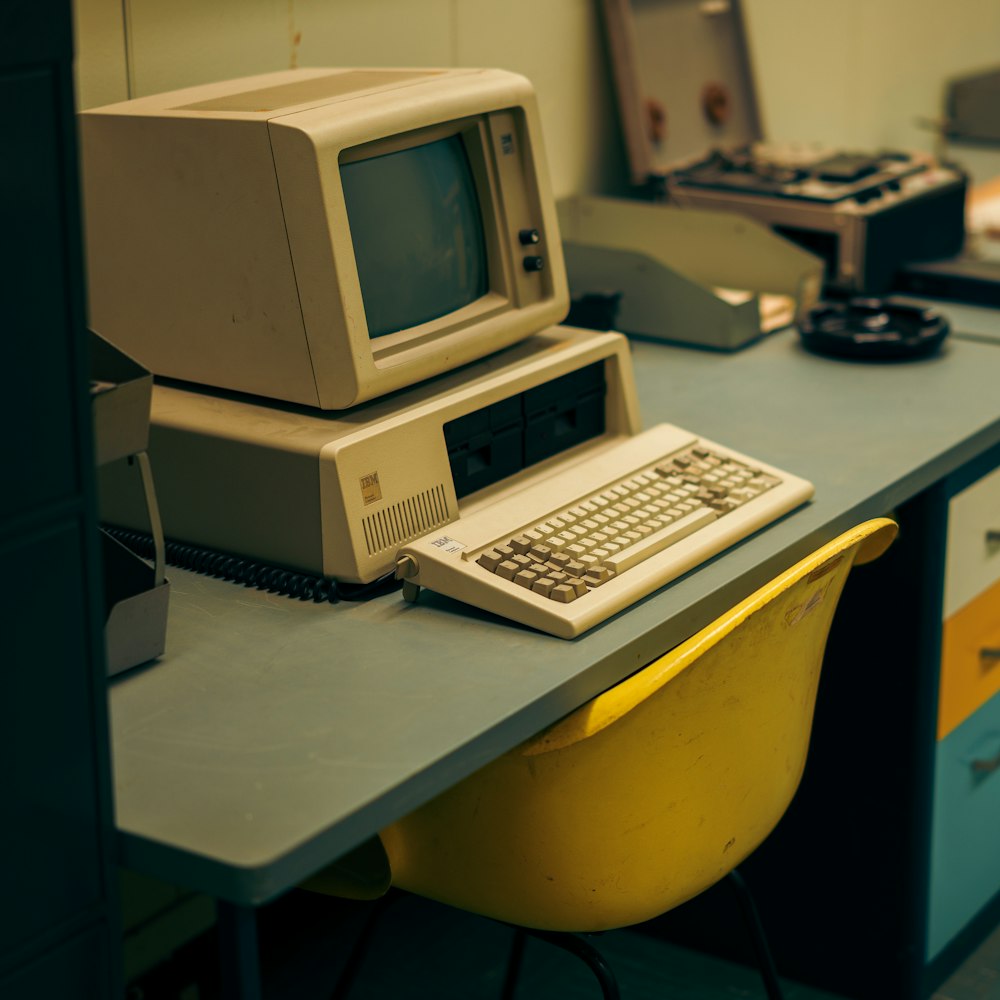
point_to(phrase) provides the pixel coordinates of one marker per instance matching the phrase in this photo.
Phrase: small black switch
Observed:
(529, 237)
(534, 263)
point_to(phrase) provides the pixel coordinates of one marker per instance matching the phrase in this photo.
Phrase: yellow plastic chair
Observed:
(650, 793)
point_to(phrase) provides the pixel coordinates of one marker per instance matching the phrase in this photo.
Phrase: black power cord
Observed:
(249, 572)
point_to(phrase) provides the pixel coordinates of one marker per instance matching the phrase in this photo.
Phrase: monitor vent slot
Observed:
(389, 528)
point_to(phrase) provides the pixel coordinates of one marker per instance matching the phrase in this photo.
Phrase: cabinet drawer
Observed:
(965, 861)
(973, 560)
(970, 660)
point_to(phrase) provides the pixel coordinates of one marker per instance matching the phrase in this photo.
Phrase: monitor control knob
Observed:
(529, 237)
(534, 263)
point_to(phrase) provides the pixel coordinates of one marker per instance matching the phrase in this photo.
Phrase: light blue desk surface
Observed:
(274, 735)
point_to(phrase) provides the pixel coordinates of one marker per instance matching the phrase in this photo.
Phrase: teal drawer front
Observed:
(965, 846)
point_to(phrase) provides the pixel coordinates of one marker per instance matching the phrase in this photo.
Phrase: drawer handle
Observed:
(992, 537)
(989, 657)
(987, 766)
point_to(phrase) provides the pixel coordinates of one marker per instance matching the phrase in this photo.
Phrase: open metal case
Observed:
(704, 277)
(694, 137)
(136, 593)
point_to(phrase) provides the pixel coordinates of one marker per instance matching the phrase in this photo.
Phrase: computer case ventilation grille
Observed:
(389, 528)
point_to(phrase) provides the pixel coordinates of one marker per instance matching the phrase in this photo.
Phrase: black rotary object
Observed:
(873, 328)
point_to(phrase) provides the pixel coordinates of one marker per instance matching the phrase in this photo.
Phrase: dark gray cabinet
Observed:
(57, 929)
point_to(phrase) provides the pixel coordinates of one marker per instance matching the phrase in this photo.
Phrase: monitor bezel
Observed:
(392, 348)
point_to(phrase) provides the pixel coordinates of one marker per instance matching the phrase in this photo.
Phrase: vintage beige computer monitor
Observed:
(321, 236)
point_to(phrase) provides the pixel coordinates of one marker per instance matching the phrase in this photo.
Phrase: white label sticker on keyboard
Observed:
(446, 544)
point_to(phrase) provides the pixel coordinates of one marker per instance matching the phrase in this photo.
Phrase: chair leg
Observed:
(765, 961)
(360, 950)
(514, 963)
(586, 952)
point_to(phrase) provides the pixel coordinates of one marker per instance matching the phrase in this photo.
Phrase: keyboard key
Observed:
(725, 504)
(508, 570)
(543, 585)
(563, 593)
(490, 560)
(520, 544)
(635, 554)
(525, 578)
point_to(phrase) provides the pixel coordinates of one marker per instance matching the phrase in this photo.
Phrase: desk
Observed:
(274, 735)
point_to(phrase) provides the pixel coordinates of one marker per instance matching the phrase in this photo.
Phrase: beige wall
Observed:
(856, 73)
(866, 73)
(556, 43)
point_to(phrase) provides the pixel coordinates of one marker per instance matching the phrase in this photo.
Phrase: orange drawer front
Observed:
(970, 659)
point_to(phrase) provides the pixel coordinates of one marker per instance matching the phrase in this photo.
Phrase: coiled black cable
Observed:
(250, 573)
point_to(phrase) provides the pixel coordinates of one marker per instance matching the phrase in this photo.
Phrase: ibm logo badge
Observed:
(371, 491)
(447, 544)
(507, 143)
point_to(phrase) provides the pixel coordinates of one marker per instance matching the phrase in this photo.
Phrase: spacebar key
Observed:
(652, 544)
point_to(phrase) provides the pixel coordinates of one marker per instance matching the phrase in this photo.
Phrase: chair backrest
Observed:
(654, 790)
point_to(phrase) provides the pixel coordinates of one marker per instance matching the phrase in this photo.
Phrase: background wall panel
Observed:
(855, 74)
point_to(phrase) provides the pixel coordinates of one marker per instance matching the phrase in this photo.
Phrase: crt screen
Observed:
(417, 233)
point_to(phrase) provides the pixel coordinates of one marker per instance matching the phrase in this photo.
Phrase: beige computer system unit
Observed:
(338, 494)
(321, 236)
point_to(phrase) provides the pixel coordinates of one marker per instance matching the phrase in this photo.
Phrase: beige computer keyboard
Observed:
(562, 558)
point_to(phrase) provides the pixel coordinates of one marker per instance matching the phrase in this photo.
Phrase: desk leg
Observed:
(239, 964)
